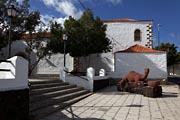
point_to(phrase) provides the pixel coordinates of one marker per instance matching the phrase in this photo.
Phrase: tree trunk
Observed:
(34, 65)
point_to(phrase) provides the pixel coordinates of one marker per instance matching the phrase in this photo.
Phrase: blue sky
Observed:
(164, 12)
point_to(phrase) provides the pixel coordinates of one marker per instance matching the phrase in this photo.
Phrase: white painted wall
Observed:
(48, 65)
(53, 64)
(122, 33)
(98, 61)
(125, 62)
(18, 77)
(87, 82)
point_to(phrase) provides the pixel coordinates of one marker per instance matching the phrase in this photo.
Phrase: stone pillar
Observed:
(90, 77)
(63, 74)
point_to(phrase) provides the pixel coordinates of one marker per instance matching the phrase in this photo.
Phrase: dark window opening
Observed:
(137, 35)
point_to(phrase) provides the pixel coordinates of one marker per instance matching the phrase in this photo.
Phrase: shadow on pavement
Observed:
(74, 116)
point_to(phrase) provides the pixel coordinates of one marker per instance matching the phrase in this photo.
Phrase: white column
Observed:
(90, 77)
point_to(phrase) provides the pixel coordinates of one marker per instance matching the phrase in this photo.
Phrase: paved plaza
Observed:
(109, 104)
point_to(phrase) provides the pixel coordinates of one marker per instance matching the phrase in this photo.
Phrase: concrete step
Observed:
(42, 96)
(46, 85)
(50, 89)
(40, 113)
(43, 81)
(55, 100)
(49, 95)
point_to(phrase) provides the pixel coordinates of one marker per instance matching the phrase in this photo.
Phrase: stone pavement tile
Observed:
(81, 110)
(113, 109)
(130, 115)
(92, 111)
(120, 102)
(142, 115)
(157, 115)
(132, 118)
(169, 118)
(104, 101)
(168, 109)
(75, 113)
(89, 101)
(115, 105)
(123, 110)
(96, 101)
(88, 112)
(107, 117)
(144, 118)
(111, 112)
(129, 100)
(121, 116)
(97, 115)
(114, 99)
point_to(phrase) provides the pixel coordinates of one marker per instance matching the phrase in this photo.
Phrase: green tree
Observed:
(173, 56)
(37, 46)
(24, 21)
(85, 36)
(56, 42)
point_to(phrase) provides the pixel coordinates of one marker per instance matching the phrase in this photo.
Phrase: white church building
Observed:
(123, 33)
(128, 32)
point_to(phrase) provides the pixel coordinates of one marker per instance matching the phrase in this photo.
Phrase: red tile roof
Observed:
(123, 20)
(36, 35)
(139, 49)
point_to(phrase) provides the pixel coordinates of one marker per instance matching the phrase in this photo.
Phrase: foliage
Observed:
(37, 44)
(173, 56)
(85, 36)
(24, 20)
(56, 42)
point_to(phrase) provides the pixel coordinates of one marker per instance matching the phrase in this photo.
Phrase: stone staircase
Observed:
(50, 95)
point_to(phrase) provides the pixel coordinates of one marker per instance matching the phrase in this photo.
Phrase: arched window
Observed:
(137, 35)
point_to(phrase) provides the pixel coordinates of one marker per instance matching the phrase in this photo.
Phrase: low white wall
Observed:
(125, 62)
(81, 81)
(53, 64)
(75, 80)
(98, 61)
(48, 65)
(87, 82)
(17, 78)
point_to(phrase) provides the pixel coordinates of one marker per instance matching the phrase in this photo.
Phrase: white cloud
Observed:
(65, 7)
(47, 18)
(20, 1)
(172, 35)
(115, 1)
(50, 2)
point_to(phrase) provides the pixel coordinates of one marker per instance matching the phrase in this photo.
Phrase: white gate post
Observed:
(102, 72)
(90, 77)
(63, 74)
